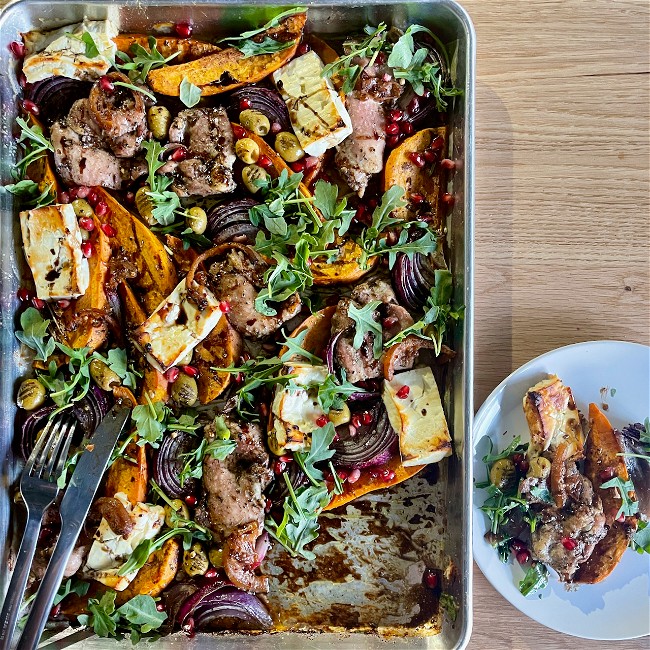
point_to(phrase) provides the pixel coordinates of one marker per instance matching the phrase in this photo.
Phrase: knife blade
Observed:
(74, 508)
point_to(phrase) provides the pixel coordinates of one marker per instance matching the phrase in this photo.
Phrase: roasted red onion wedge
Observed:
(266, 101)
(229, 222)
(54, 96)
(169, 464)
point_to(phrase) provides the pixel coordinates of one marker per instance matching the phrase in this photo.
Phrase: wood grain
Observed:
(562, 208)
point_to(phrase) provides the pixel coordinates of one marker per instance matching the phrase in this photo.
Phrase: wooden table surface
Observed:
(562, 208)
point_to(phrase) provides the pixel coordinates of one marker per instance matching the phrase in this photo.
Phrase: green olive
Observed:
(103, 376)
(144, 204)
(247, 150)
(255, 121)
(288, 146)
(503, 474)
(540, 467)
(179, 509)
(31, 395)
(215, 554)
(82, 208)
(185, 391)
(159, 118)
(250, 174)
(195, 561)
(197, 220)
(341, 416)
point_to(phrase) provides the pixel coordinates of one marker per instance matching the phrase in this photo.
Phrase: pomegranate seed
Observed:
(106, 85)
(396, 115)
(188, 627)
(523, 556)
(22, 80)
(437, 142)
(279, 467)
(523, 466)
(407, 128)
(386, 77)
(426, 94)
(224, 306)
(87, 223)
(366, 418)
(17, 49)
(276, 127)
(311, 162)
(392, 128)
(304, 48)
(268, 505)
(353, 430)
(63, 304)
(607, 473)
(446, 163)
(336, 437)
(417, 198)
(517, 545)
(389, 321)
(244, 104)
(448, 199)
(38, 303)
(87, 249)
(160, 607)
(373, 203)
(517, 458)
(108, 230)
(172, 374)
(286, 459)
(184, 29)
(342, 475)
(381, 58)
(360, 213)
(190, 371)
(179, 154)
(569, 543)
(417, 158)
(298, 166)
(388, 475)
(239, 378)
(63, 197)
(93, 197)
(356, 421)
(101, 209)
(403, 392)
(190, 499)
(211, 573)
(72, 192)
(129, 197)
(430, 579)
(322, 421)
(264, 162)
(392, 141)
(354, 476)
(430, 155)
(414, 106)
(29, 107)
(23, 294)
(83, 192)
(55, 611)
(239, 132)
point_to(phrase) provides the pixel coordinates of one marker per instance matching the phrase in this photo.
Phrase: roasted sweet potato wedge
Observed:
(229, 69)
(401, 170)
(344, 269)
(220, 349)
(156, 272)
(606, 555)
(189, 49)
(128, 477)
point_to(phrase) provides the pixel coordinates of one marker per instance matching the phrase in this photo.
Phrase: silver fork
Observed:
(39, 490)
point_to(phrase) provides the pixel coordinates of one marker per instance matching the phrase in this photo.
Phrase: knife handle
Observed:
(48, 588)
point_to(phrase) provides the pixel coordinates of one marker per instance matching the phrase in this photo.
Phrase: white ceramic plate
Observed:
(610, 372)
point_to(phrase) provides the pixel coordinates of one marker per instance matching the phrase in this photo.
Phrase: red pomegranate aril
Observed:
(184, 30)
(437, 142)
(303, 48)
(321, 421)
(23, 294)
(211, 573)
(430, 579)
(276, 127)
(388, 475)
(414, 105)
(83, 192)
(63, 304)
(607, 473)
(430, 155)
(87, 249)
(406, 128)
(621, 519)
(389, 321)
(190, 371)
(381, 58)
(417, 198)
(63, 197)
(417, 158)
(160, 607)
(244, 104)
(87, 223)
(268, 505)
(336, 437)
(101, 209)
(523, 556)
(224, 306)
(517, 545)
(448, 199)
(356, 421)
(29, 107)
(447, 163)
(403, 392)
(311, 162)
(179, 155)
(569, 543)
(190, 499)
(298, 166)
(172, 374)
(188, 627)
(55, 611)
(343, 476)
(22, 80)
(129, 197)
(279, 467)
(38, 303)
(517, 458)
(93, 198)
(108, 230)
(392, 128)
(17, 49)
(354, 476)
(265, 162)
(392, 141)
(523, 466)
(239, 132)
(373, 203)
(106, 85)
(286, 459)
(366, 418)
(395, 115)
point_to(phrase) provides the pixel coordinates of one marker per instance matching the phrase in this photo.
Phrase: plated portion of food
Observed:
(244, 239)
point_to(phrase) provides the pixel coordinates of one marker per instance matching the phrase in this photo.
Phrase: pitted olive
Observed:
(103, 376)
(179, 509)
(247, 150)
(159, 118)
(195, 561)
(185, 391)
(540, 467)
(503, 474)
(287, 145)
(250, 174)
(197, 220)
(255, 121)
(31, 394)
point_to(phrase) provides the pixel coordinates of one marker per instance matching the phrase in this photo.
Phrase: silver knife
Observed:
(75, 505)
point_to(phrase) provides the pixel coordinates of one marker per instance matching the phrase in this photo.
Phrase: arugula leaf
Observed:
(294, 347)
(542, 493)
(146, 547)
(365, 323)
(319, 451)
(65, 391)
(536, 578)
(70, 464)
(190, 94)
(141, 610)
(219, 449)
(33, 334)
(425, 245)
(71, 586)
(102, 615)
(267, 46)
(332, 394)
(34, 144)
(91, 51)
(513, 447)
(137, 89)
(149, 420)
(640, 541)
(143, 60)
(29, 195)
(282, 281)
(274, 22)
(629, 505)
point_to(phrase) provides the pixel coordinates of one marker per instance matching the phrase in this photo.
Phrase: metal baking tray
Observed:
(365, 586)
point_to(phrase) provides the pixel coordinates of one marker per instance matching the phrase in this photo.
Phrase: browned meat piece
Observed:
(377, 82)
(207, 134)
(374, 290)
(42, 559)
(361, 155)
(234, 486)
(240, 559)
(237, 280)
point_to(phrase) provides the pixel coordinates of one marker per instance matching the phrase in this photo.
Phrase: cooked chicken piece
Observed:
(240, 558)
(377, 82)
(207, 134)
(361, 155)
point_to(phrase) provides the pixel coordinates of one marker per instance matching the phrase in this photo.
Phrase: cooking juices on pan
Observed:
(245, 239)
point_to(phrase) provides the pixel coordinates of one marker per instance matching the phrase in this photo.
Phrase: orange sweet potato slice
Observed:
(229, 69)
(401, 170)
(344, 269)
(220, 349)
(129, 477)
(189, 49)
(157, 276)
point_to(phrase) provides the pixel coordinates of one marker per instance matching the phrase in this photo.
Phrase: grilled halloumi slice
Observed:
(418, 418)
(176, 327)
(553, 418)
(52, 244)
(318, 116)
